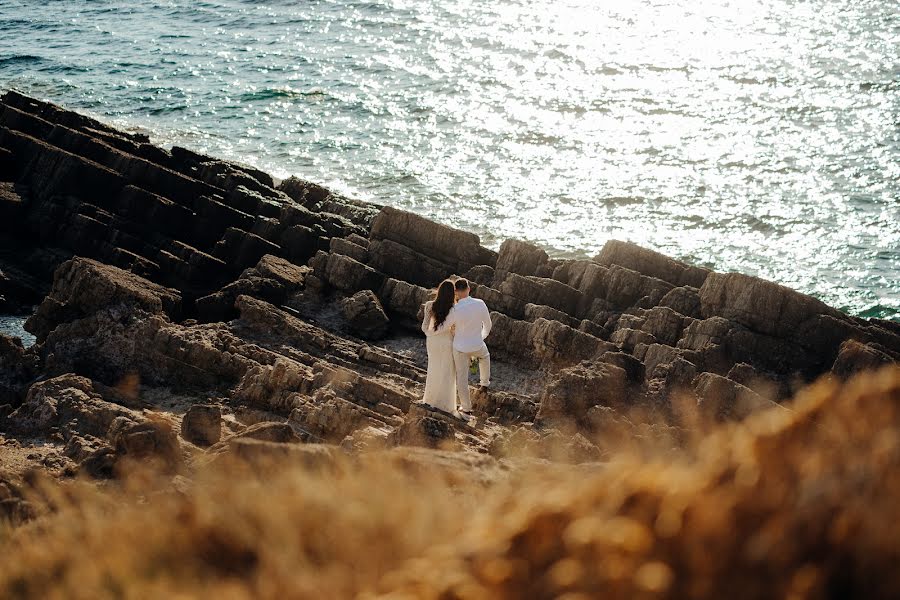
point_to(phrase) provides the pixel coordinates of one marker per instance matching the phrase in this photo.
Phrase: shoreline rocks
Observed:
(199, 290)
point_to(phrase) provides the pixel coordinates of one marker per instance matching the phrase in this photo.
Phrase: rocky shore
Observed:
(186, 307)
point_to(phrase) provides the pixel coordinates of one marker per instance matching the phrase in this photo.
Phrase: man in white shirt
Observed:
(473, 323)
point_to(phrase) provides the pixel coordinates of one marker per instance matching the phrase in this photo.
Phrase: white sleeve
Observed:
(426, 321)
(486, 323)
(450, 321)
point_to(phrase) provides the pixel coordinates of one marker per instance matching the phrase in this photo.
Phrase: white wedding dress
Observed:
(440, 383)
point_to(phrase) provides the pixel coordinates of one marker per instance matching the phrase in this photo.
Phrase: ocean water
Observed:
(761, 136)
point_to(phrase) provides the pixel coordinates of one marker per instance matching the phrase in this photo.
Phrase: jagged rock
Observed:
(519, 257)
(684, 300)
(854, 357)
(533, 312)
(507, 408)
(481, 275)
(151, 439)
(281, 433)
(660, 354)
(242, 249)
(346, 274)
(202, 424)
(628, 339)
(397, 260)
(552, 341)
(272, 279)
(262, 453)
(427, 428)
(350, 248)
(404, 299)
(634, 369)
(625, 287)
(365, 314)
(18, 367)
(541, 291)
(664, 324)
(82, 287)
(653, 264)
(431, 239)
(496, 300)
(573, 391)
(724, 399)
(68, 404)
(305, 192)
(367, 439)
(759, 304)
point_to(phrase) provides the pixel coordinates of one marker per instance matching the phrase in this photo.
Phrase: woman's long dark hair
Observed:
(443, 302)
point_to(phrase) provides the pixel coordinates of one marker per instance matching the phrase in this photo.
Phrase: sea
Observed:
(760, 136)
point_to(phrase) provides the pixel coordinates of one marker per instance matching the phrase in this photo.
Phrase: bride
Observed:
(440, 382)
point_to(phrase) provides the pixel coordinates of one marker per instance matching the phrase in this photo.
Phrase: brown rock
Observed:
(855, 357)
(684, 300)
(518, 257)
(398, 260)
(305, 192)
(69, 404)
(150, 439)
(202, 424)
(82, 287)
(628, 339)
(541, 291)
(724, 399)
(664, 324)
(365, 314)
(429, 238)
(349, 248)
(346, 274)
(551, 341)
(760, 305)
(573, 391)
(653, 264)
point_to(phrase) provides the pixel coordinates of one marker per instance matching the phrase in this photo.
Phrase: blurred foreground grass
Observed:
(789, 504)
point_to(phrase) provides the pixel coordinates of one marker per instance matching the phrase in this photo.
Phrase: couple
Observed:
(455, 326)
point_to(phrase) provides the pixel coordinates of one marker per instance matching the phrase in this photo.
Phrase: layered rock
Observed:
(254, 317)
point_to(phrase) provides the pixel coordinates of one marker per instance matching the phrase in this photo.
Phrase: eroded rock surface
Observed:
(179, 293)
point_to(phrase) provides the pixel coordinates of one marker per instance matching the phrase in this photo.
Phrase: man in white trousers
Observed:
(473, 323)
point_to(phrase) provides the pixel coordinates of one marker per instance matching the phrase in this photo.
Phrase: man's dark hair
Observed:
(461, 284)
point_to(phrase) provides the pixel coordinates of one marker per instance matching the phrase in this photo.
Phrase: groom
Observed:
(473, 324)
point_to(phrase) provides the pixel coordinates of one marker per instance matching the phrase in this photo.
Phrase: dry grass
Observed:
(800, 504)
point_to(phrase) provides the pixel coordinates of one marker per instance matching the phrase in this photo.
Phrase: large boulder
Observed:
(272, 279)
(365, 315)
(18, 367)
(761, 305)
(397, 260)
(542, 291)
(854, 357)
(651, 263)
(518, 257)
(573, 391)
(626, 287)
(70, 405)
(723, 399)
(432, 239)
(345, 273)
(82, 287)
(202, 424)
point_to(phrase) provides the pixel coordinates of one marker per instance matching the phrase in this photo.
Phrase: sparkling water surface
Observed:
(760, 136)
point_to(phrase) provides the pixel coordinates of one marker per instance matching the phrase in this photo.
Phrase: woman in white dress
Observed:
(440, 383)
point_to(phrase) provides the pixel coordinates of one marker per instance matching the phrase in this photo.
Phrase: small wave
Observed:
(22, 59)
(274, 93)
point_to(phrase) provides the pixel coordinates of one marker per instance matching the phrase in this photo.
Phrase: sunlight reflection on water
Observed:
(760, 137)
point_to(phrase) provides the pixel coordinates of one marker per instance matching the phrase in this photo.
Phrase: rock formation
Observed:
(176, 292)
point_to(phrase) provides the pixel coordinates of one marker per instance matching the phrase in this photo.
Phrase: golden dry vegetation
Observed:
(789, 504)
